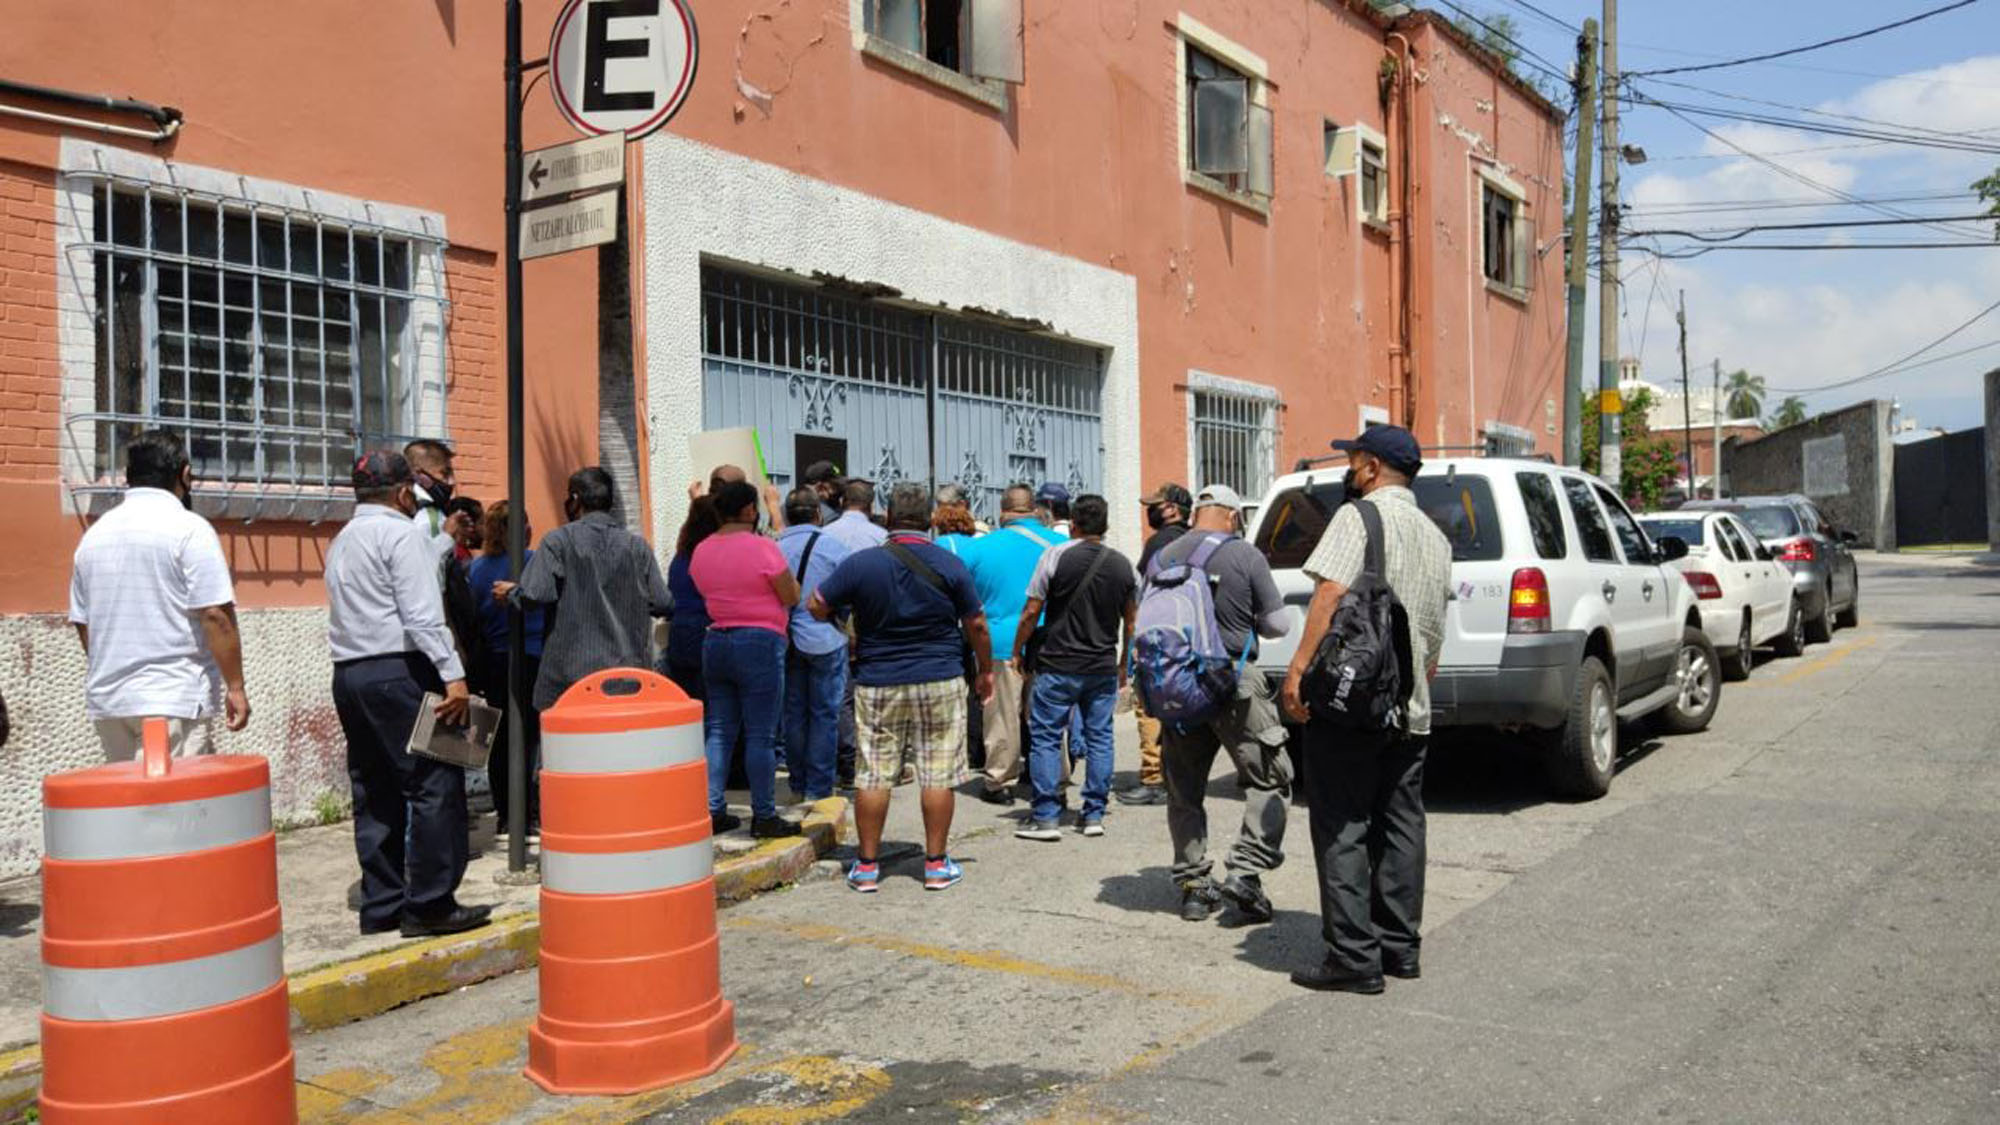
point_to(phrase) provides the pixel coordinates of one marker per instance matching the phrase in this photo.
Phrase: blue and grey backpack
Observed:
(1180, 667)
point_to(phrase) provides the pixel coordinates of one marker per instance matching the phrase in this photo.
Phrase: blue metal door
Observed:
(915, 396)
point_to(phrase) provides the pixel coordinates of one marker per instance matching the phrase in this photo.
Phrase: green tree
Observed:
(1743, 394)
(1988, 189)
(1647, 463)
(1790, 412)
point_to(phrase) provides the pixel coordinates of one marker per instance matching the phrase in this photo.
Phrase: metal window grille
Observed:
(1235, 441)
(276, 341)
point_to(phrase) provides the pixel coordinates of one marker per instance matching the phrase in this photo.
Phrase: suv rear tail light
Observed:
(1705, 586)
(1528, 603)
(1798, 550)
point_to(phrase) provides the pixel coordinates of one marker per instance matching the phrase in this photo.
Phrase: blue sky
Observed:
(1805, 319)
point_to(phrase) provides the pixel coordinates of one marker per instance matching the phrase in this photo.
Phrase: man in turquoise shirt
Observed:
(1002, 564)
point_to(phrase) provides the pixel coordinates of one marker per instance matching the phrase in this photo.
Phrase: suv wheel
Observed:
(1819, 628)
(1700, 678)
(1582, 752)
(1793, 642)
(1738, 665)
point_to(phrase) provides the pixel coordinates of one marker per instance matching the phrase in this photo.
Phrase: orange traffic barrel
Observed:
(631, 967)
(163, 976)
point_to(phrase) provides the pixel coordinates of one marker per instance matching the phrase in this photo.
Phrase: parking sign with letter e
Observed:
(622, 65)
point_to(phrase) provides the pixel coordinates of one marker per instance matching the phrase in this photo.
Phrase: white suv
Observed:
(1564, 617)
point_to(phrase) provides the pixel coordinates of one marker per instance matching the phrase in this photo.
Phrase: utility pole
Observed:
(1715, 421)
(1611, 410)
(1579, 240)
(1687, 401)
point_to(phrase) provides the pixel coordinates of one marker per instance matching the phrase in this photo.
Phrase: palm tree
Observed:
(1791, 412)
(1743, 394)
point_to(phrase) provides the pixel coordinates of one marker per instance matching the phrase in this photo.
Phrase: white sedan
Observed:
(1745, 594)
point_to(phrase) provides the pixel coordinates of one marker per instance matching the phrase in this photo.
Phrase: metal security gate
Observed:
(893, 395)
(1941, 490)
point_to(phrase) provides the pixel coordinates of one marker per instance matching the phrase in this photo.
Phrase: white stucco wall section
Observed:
(702, 201)
(286, 669)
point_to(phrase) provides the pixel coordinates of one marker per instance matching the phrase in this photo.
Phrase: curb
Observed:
(347, 991)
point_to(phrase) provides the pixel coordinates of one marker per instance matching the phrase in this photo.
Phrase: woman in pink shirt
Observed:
(750, 591)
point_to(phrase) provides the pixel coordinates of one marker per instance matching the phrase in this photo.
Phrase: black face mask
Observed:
(1347, 485)
(1156, 517)
(438, 491)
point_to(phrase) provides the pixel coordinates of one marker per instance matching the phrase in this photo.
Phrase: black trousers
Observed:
(497, 774)
(409, 811)
(1365, 795)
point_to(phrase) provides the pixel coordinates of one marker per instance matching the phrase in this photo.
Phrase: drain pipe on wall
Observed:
(1402, 369)
(166, 119)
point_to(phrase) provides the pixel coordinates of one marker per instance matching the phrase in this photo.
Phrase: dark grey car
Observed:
(1819, 555)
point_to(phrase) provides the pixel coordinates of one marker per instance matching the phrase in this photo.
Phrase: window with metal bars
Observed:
(279, 343)
(1235, 440)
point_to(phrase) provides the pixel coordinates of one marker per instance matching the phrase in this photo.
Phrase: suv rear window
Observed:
(1687, 531)
(1461, 506)
(1771, 521)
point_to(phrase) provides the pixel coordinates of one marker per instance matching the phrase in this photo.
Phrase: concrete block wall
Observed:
(1860, 497)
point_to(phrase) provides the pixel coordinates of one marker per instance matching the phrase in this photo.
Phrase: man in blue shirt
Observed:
(854, 528)
(816, 664)
(1002, 564)
(910, 601)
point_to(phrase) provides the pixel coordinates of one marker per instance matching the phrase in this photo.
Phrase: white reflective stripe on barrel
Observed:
(173, 828)
(625, 751)
(625, 873)
(142, 992)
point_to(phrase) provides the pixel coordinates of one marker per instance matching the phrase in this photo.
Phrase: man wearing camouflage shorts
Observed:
(914, 611)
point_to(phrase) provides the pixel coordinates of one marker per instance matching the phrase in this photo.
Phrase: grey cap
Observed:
(1219, 496)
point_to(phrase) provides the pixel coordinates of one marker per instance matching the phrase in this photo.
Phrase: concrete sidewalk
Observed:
(339, 975)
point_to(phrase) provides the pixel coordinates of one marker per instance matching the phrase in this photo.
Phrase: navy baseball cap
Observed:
(1396, 446)
(1052, 493)
(381, 468)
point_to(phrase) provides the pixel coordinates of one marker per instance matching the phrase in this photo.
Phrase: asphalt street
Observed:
(1792, 917)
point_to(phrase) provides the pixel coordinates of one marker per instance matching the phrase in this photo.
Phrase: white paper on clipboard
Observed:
(738, 446)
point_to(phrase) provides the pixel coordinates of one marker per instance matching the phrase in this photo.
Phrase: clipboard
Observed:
(467, 746)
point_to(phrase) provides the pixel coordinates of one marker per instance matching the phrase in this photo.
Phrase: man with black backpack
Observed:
(1243, 604)
(1360, 681)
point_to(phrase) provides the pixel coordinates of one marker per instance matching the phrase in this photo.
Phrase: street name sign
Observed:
(587, 220)
(622, 66)
(592, 162)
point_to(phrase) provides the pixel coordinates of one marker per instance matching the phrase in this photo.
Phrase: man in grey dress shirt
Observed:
(386, 627)
(593, 575)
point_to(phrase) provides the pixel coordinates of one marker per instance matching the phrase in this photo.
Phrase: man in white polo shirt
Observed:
(151, 601)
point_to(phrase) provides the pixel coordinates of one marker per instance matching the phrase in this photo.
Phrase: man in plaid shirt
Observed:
(1365, 791)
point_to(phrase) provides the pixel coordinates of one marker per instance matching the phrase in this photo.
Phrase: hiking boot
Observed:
(1199, 903)
(1247, 892)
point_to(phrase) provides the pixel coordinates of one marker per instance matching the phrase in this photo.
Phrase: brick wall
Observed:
(476, 371)
(30, 403)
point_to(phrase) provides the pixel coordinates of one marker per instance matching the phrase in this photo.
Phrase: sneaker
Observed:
(1142, 795)
(1042, 830)
(1247, 892)
(1092, 827)
(721, 822)
(773, 828)
(864, 877)
(1199, 903)
(940, 874)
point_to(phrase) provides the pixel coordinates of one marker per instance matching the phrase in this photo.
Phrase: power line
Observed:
(1526, 55)
(1892, 368)
(1734, 233)
(1824, 112)
(1768, 56)
(1779, 152)
(1681, 255)
(1961, 143)
(1557, 20)
(1731, 206)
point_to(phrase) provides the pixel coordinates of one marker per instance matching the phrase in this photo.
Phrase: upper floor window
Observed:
(971, 46)
(279, 342)
(1362, 153)
(1227, 125)
(1507, 238)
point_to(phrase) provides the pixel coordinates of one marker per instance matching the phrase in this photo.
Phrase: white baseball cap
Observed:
(1219, 496)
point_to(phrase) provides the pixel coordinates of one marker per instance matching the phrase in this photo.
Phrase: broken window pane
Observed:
(899, 21)
(995, 47)
(1221, 141)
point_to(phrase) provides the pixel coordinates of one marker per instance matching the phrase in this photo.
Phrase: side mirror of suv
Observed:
(1849, 538)
(1672, 547)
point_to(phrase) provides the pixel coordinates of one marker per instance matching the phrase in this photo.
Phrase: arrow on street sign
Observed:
(587, 220)
(577, 166)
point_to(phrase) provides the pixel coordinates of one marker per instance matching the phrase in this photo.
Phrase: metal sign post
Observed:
(517, 537)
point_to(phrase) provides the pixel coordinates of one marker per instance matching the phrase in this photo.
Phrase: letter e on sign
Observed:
(622, 65)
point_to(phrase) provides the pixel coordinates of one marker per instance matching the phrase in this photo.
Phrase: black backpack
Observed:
(1361, 677)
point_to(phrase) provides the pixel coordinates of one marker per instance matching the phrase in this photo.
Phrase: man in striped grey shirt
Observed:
(1365, 790)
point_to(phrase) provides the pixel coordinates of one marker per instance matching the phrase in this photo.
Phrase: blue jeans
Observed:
(745, 674)
(814, 683)
(1049, 705)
